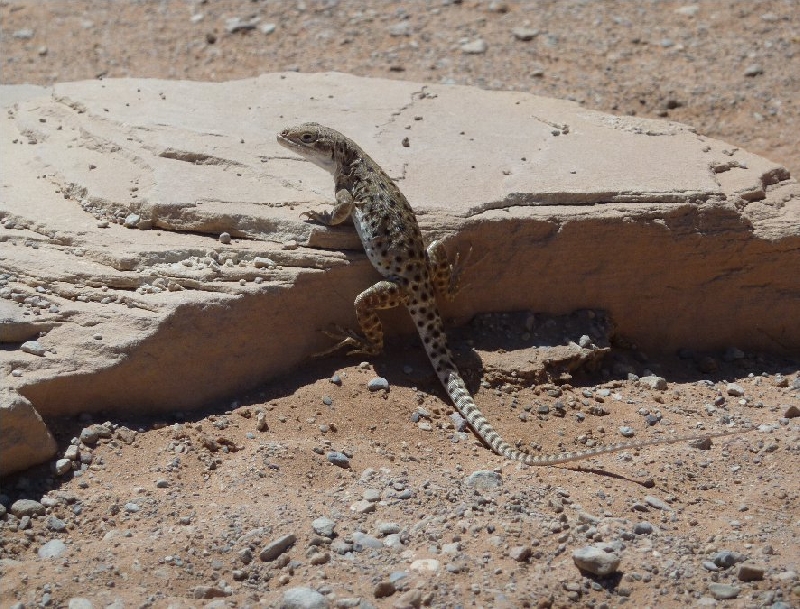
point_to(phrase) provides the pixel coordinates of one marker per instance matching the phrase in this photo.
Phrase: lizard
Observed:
(413, 276)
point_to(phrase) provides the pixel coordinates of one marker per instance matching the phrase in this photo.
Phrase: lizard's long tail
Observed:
(466, 406)
(431, 331)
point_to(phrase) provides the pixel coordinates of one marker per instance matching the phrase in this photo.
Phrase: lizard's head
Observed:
(315, 142)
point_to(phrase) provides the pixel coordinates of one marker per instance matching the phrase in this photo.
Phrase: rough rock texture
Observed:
(24, 438)
(114, 195)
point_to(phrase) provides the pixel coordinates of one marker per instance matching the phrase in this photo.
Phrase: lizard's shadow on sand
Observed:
(493, 348)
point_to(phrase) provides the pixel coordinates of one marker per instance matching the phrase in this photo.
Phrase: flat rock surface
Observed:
(117, 191)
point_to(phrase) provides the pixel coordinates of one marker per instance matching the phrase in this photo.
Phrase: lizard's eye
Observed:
(308, 138)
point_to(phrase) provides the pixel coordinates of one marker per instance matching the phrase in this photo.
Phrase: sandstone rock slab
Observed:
(115, 194)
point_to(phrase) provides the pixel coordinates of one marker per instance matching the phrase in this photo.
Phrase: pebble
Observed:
(378, 383)
(476, 47)
(25, 33)
(131, 221)
(371, 494)
(483, 480)
(27, 507)
(707, 364)
(339, 459)
(383, 589)
(363, 507)
(362, 540)
(34, 347)
(125, 434)
(341, 547)
(655, 502)
(80, 603)
(425, 565)
(55, 524)
(459, 422)
(263, 263)
(410, 598)
(237, 24)
(388, 528)
(206, 592)
(732, 354)
(72, 452)
(520, 553)
(268, 28)
(652, 419)
(62, 466)
(303, 598)
(393, 541)
(132, 507)
(323, 526)
(643, 528)
(750, 572)
(653, 382)
(723, 591)
(319, 558)
(726, 558)
(701, 443)
(275, 548)
(734, 390)
(52, 549)
(524, 33)
(690, 10)
(627, 431)
(754, 69)
(791, 412)
(225, 238)
(91, 435)
(400, 29)
(598, 559)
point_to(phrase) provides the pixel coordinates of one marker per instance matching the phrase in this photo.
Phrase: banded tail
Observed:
(432, 333)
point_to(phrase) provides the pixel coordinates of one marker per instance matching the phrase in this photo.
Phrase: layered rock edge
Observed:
(115, 194)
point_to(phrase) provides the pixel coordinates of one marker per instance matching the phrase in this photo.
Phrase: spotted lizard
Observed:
(413, 276)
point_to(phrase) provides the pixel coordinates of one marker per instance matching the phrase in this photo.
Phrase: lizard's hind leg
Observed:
(446, 277)
(382, 295)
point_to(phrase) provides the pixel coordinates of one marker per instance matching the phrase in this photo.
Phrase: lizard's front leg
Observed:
(341, 210)
(382, 295)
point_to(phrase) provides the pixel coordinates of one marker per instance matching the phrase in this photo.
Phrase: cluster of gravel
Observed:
(472, 525)
(225, 509)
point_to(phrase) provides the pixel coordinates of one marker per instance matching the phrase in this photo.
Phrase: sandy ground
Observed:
(194, 510)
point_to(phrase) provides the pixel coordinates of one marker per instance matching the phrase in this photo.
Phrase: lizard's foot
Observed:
(456, 270)
(322, 218)
(357, 344)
